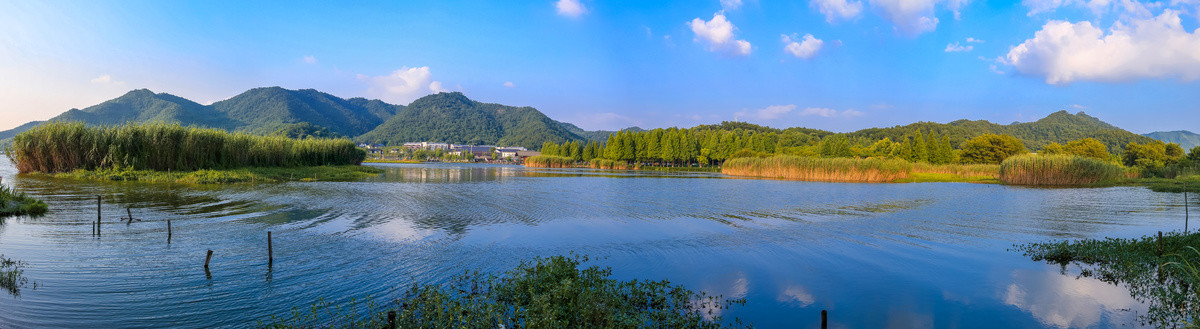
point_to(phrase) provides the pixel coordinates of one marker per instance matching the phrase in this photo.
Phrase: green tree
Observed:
(1053, 148)
(1087, 147)
(990, 148)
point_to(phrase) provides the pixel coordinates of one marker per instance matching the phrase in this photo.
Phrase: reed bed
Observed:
(59, 147)
(549, 161)
(1058, 170)
(963, 170)
(610, 164)
(870, 170)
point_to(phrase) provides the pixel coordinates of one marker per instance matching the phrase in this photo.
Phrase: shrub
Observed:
(549, 161)
(989, 148)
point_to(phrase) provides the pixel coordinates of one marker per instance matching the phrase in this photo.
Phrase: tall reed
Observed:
(549, 161)
(62, 147)
(600, 163)
(871, 170)
(1058, 170)
(991, 170)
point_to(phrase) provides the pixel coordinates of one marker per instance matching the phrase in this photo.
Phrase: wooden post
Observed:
(130, 213)
(824, 319)
(168, 231)
(1185, 208)
(1160, 249)
(391, 320)
(270, 250)
(206, 259)
(97, 215)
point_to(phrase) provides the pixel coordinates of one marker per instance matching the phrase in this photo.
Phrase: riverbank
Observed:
(393, 161)
(13, 203)
(345, 173)
(1163, 270)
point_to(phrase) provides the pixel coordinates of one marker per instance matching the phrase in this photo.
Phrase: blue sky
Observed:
(831, 64)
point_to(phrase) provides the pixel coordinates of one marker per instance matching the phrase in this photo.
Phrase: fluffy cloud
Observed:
(836, 10)
(731, 4)
(806, 48)
(718, 33)
(1131, 7)
(779, 111)
(955, 47)
(310, 59)
(911, 17)
(510, 84)
(570, 8)
(107, 80)
(1064, 52)
(403, 85)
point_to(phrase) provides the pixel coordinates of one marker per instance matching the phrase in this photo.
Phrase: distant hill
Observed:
(453, 118)
(265, 110)
(1184, 138)
(598, 135)
(1059, 127)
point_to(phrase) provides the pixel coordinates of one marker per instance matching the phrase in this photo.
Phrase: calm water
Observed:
(874, 255)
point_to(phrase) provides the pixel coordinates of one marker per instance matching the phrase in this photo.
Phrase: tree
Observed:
(1152, 154)
(1087, 147)
(920, 148)
(1194, 155)
(990, 148)
(1053, 148)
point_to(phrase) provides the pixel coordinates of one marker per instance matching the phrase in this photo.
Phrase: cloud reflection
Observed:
(1067, 302)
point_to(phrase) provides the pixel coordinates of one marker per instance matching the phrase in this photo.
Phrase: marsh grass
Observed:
(1167, 281)
(13, 203)
(12, 276)
(960, 170)
(545, 293)
(549, 161)
(59, 147)
(870, 170)
(1059, 170)
(347, 173)
(610, 164)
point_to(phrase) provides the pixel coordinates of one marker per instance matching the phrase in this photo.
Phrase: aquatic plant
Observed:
(549, 161)
(870, 170)
(1058, 170)
(12, 277)
(545, 293)
(601, 163)
(1161, 273)
(13, 203)
(63, 147)
(346, 173)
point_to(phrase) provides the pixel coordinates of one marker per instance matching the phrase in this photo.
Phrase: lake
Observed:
(873, 255)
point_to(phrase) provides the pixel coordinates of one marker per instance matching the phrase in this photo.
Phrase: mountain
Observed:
(1058, 127)
(1184, 138)
(453, 118)
(598, 135)
(265, 110)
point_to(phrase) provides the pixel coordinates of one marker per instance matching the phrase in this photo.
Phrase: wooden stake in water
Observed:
(270, 250)
(391, 319)
(1185, 209)
(824, 319)
(130, 214)
(168, 231)
(206, 259)
(97, 215)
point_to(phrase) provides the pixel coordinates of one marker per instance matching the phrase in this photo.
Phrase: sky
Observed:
(838, 65)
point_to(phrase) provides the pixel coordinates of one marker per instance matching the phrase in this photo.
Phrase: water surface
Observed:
(874, 255)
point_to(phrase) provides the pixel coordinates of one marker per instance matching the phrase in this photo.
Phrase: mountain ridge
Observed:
(1184, 138)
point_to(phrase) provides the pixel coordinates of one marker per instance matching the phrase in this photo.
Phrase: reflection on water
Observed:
(874, 255)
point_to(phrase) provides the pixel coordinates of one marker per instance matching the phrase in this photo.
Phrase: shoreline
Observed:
(345, 173)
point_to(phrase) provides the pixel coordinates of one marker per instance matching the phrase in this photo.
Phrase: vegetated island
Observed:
(545, 293)
(919, 157)
(170, 153)
(13, 203)
(1162, 271)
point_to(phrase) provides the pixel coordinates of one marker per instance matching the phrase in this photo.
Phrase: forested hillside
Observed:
(265, 110)
(1184, 138)
(453, 118)
(1059, 127)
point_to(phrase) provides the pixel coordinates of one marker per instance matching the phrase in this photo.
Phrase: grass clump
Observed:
(242, 175)
(59, 147)
(1167, 280)
(13, 203)
(12, 277)
(870, 170)
(549, 161)
(601, 163)
(1059, 170)
(546, 293)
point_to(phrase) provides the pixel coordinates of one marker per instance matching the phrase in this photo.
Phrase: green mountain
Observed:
(1059, 127)
(265, 110)
(1184, 138)
(453, 118)
(597, 135)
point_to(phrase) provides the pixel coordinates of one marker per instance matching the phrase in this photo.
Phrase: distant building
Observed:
(525, 154)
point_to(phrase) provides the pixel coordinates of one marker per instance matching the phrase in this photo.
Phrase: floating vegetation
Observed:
(13, 203)
(347, 173)
(546, 293)
(59, 147)
(12, 277)
(870, 170)
(1059, 170)
(1162, 273)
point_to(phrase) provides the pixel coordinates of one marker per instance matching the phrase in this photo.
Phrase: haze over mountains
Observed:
(1184, 138)
(454, 118)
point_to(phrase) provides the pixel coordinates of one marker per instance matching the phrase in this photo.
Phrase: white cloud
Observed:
(778, 111)
(107, 80)
(403, 85)
(731, 4)
(974, 40)
(955, 47)
(1064, 52)
(911, 17)
(310, 59)
(718, 33)
(570, 8)
(510, 84)
(806, 48)
(837, 10)
(1098, 7)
